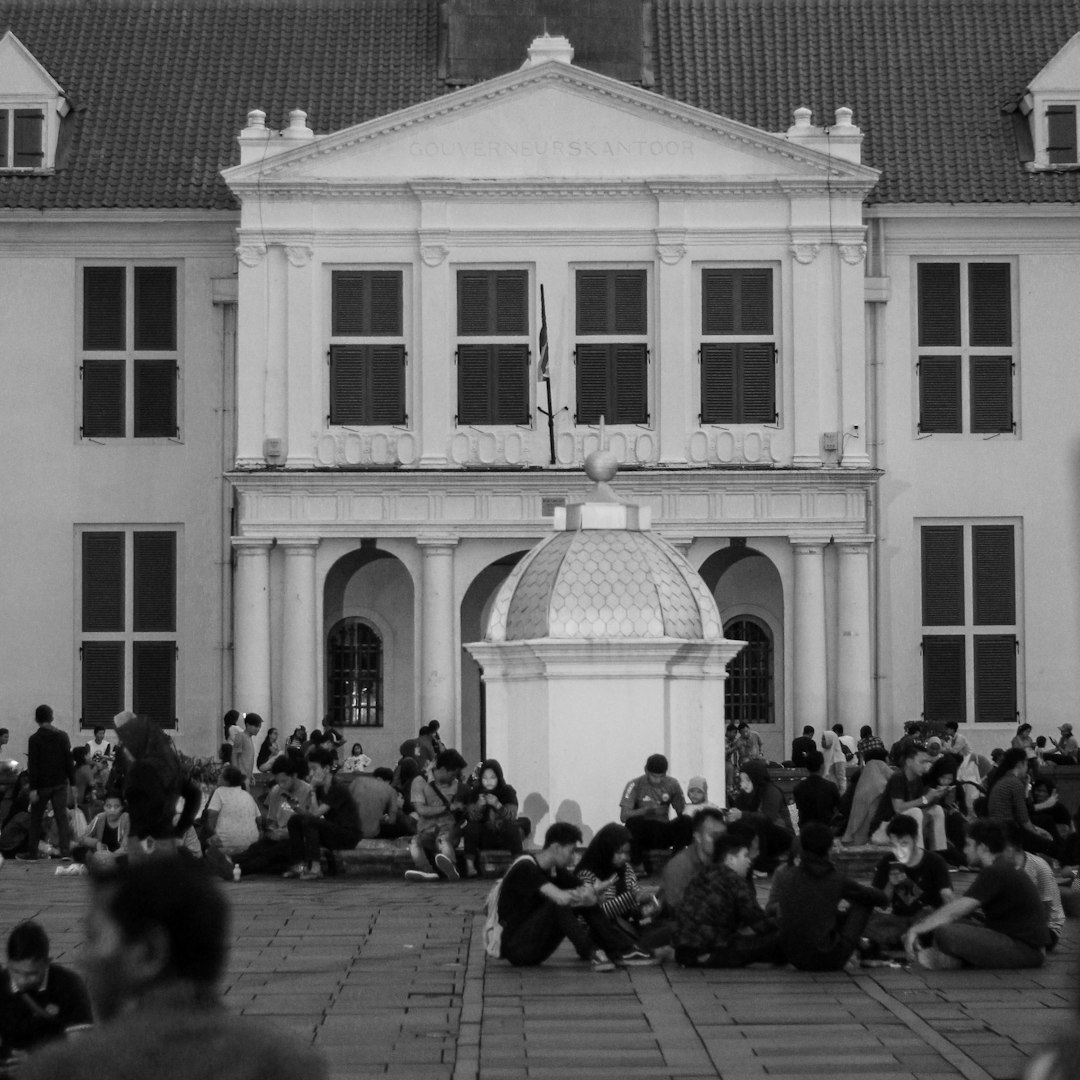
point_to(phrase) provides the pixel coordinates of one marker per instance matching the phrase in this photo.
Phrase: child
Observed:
(697, 792)
(357, 761)
(106, 834)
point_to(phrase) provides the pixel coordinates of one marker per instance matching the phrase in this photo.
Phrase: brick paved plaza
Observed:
(391, 980)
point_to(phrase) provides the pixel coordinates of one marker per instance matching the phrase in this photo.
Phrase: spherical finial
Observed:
(601, 466)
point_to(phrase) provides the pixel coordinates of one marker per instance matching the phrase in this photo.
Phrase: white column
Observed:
(299, 647)
(810, 699)
(251, 627)
(854, 675)
(438, 636)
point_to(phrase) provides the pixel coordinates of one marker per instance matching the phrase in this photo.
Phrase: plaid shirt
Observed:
(872, 743)
(716, 905)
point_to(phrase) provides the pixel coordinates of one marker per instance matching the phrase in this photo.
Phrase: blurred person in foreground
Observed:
(156, 946)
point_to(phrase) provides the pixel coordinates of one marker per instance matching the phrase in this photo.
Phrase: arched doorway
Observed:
(749, 690)
(354, 674)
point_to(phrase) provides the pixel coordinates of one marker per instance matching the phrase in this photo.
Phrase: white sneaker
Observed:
(448, 867)
(420, 875)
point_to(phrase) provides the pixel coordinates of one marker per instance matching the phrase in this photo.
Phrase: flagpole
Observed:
(545, 371)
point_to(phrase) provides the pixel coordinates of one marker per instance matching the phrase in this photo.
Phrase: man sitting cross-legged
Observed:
(540, 902)
(334, 823)
(814, 934)
(719, 922)
(1013, 933)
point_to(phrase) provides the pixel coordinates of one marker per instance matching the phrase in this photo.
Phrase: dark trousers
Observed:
(849, 928)
(265, 856)
(649, 833)
(743, 949)
(492, 836)
(308, 833)
(57, 797)
(534, 940)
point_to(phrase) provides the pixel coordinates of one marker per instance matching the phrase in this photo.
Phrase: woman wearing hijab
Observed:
(492, 809)
(869, 792)
(835, 761)
(764, 807)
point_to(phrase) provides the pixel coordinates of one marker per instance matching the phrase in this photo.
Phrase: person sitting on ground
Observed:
(954, 743)
(492, 809)
(84, 780)
(868, 741)
(802, 747)
(720, 922)
(913, 735)
(39, 1001)
(1023, 740)
(1066, 749)
(763, 805)
(606, 866)
(646, 808)
(289, 795)
(906, 793)
(541, 903)
(816, 797)
(357, 761)
(377, 803)
(1007, 802)
(156, 949)
(1013, 932)
(1048, 812)
(438, 806)
(814, 935)
(99, 746)
(333, 824)
(1042, 876)
(941, 780)
(709, 826)
(15, 827)
(298, 738)
(697, 797)
(233, 817)
(107, 833)
(916, 880)
(268, 749)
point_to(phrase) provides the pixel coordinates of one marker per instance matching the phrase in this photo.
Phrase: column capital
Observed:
(855, 545)
(806, 545)
(430, 542)
(299, 545)
(251, 545)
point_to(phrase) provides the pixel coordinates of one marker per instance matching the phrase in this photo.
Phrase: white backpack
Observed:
(492, 927)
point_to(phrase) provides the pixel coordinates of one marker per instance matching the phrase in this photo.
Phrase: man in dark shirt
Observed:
(540, 901)
(335, 822)
(815, 797)
(1013, 932)
(646, 806)
(906, 793)
(51, 769)
(802, 747)
(1007, 802)
(39, 1000)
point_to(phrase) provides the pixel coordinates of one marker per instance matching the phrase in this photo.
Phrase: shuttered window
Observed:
(1061, 135)
(22, 138)
(967, 671)
(493, 382)
(130, 364)
(367, 353)
(966, 317)
(128, 646)
(737, 357)
(612, 362)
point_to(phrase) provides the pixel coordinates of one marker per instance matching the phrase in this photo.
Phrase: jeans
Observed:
(308, 833)
(534, 940)
(58, 798)
(743, 949)
(980, 947)
(648, 833)
(492, 836)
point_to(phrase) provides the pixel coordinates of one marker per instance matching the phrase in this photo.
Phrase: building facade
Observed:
(289, 353)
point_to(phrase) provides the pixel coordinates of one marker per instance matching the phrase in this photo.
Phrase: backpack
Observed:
(492, 927)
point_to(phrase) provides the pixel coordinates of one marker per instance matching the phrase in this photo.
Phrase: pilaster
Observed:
(853, 661)
(811, 697)
(251, 632)
(438, 636)
(299, 640)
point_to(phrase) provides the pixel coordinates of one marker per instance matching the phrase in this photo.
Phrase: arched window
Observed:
(748, 693)
(354, 666)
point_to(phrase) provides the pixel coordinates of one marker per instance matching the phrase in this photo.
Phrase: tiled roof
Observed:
(160, 88)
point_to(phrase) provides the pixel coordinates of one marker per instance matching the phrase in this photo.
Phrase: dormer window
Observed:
(32, 104)
(1061, 135)
(1046, 116)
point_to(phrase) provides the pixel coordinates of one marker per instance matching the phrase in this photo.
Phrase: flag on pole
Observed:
(542, 371)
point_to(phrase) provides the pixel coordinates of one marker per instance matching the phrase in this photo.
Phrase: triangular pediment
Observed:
(21, 76)
(1062, 73)
(551, 122)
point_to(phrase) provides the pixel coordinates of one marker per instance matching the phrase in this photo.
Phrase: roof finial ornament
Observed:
(600, 467)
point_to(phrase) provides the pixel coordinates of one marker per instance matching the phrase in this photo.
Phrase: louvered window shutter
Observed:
(758, 391)
(995, 678)
(592, 383)
(386, 304)
(154, 586)
(153, 681)
(736, 301)
(991, 393)
(990, 304)
(1061, 135)
(511, 302)
(939, 303)
(102, 582)
(4, 114)
(592, 302)
(993, 560)
(103, 392)
(718, 383)
(103, 307)
(944, 678)
(102, 681)
(366, 303)
(155, 399)
(385, 384)
(346, 384)
(628, 302)
(347, 303)
(155, 308)
(943, 575)
(29, 139)
(474, 384)
(940, 390)
(475, 302)
(511, 372)
(629, 364)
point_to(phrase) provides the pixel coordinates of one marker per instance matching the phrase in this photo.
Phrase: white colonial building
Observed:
(276, 422)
